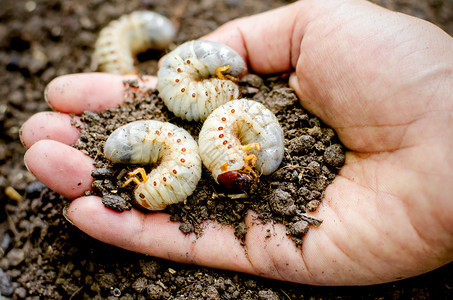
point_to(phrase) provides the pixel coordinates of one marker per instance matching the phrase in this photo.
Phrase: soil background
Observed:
(41, 254)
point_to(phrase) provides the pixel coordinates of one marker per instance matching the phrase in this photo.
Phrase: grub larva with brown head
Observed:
(199, 76)
(240, 140)
(147, 142)
(122, 39)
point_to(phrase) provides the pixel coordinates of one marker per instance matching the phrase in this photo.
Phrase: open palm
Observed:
(382, 80)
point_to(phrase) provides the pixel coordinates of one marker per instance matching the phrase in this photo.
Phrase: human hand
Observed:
(381, 79)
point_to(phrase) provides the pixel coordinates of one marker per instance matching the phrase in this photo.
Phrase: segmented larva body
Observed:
(189, 83)
(122, 39)
(237, 137)
(146, 142)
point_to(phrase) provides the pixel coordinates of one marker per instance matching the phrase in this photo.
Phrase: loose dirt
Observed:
(42, 256)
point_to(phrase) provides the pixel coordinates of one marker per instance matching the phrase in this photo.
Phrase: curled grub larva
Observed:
(146, 142)
(122, 39)
(199, 76)
(239, 137)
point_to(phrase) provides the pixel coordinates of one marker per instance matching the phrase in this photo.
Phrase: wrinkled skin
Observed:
(382, 80)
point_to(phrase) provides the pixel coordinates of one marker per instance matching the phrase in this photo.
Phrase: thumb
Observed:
(269, 42)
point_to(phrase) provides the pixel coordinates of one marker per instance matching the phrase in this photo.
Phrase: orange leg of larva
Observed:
(251, 171)
(250, 158)
(251, 146)
(134, 179)
(140, 171)
(248, 169)
(219, 73)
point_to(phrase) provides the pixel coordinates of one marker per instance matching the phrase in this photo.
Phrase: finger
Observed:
(156, 235)
(95, 92)
(268, 251)
(62, 168)
(356, 244)
(271, 49)
(52, 126)
(249, 36)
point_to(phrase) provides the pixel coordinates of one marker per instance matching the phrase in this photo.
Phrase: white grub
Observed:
(122, 39)
(191, 80)
(147, 142)
(238, 138)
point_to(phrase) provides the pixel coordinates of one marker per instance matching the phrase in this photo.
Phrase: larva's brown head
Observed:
(236, 180)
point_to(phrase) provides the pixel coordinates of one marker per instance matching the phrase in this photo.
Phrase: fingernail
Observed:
(20, 135)
(46, 92)
(25, 163)
(65, 215)
(294, 84)
(292, 80)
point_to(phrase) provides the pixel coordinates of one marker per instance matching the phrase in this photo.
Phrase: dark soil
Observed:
(43, 256)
